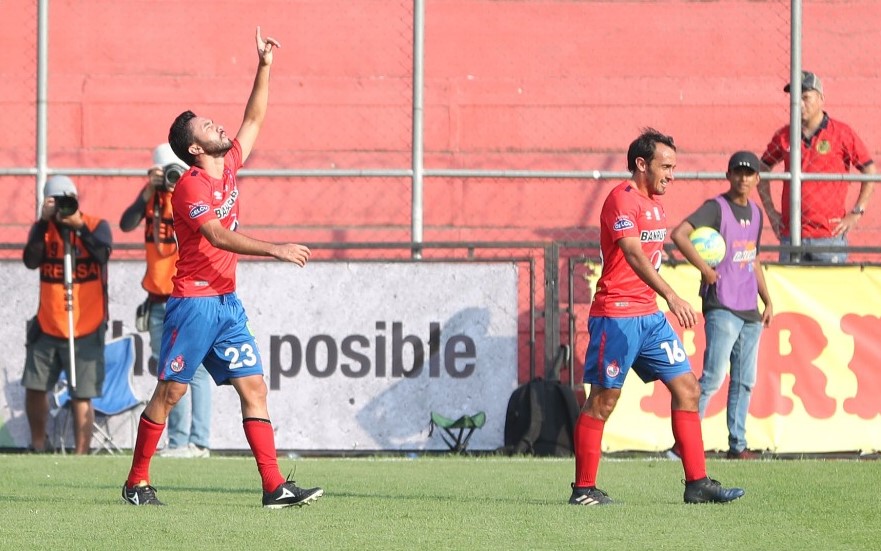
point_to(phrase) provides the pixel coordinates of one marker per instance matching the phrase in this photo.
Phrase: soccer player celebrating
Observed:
(205, 321)
(627, 330)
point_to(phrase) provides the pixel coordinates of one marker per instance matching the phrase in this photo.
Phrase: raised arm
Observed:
(35, 247)
(133, 215)
(255, 110)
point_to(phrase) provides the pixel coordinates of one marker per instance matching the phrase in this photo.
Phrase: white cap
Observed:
(164, 156)
(57, 186)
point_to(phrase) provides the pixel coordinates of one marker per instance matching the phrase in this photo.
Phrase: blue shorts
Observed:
(213, 331)
(646, 343)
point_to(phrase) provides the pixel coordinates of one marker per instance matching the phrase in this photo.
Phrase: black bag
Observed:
(541, 419)
(142, 316)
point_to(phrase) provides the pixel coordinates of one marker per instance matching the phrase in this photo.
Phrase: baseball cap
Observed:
(58, 186)
(746, 159)
(164, 156)
(809, 81)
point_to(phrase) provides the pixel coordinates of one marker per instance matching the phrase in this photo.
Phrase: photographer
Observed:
(47, 345)
(189, 424)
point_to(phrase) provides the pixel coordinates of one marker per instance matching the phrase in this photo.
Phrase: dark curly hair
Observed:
(180, 137)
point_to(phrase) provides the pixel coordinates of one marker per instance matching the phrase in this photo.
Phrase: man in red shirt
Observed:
(205, 322)
(627, 330)
(827, 146)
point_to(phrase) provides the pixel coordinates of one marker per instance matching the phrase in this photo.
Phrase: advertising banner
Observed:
(818, 383)
(356, 355)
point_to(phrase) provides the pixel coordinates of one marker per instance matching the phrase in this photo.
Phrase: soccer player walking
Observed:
(205, 321)
(627, 330)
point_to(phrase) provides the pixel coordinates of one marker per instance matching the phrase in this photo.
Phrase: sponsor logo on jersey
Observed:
(612, 370)
(223, 210)
(177, 364)
(198, 210)
(622, 223)
(647, 236)
(748, 255)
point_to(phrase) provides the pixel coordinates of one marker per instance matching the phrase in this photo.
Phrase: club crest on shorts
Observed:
(178, 364)
(612, 370)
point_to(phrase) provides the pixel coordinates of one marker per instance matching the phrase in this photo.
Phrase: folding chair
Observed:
(458, 438)
(118, 395)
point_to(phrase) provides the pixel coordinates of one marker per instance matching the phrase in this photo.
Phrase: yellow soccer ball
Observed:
(709, 243)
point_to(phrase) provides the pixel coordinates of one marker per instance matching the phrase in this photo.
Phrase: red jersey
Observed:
(628, 213)
(833, 148)
(202, 269)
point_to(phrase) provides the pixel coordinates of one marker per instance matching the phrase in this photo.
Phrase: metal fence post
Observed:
(552, 308)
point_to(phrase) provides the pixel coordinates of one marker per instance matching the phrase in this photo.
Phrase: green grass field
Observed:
(66, 502)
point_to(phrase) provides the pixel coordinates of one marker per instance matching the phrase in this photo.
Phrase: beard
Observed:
(218, 148)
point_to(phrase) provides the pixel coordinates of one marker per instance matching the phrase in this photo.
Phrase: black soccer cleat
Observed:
(288, 494)
(707, 490)
(140, 495)
(589, 496)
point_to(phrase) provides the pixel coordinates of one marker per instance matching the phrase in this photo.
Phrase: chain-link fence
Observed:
(525, 115)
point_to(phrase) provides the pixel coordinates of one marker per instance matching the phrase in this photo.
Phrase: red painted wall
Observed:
(557, 85)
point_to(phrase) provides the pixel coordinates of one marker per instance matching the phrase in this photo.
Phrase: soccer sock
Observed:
(262, 442)
(690, 439)
(588, 450)
(149, 434)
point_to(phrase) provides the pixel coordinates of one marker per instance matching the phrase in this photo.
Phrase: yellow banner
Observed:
(819, 370)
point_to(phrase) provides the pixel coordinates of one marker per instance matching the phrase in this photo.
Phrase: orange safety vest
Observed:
(160, 245)
(89, 286)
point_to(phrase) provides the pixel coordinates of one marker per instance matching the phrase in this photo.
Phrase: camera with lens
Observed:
(171, 175)
(66, 205)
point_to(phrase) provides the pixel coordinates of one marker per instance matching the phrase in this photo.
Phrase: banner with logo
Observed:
(356, 355)
(819, 382)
